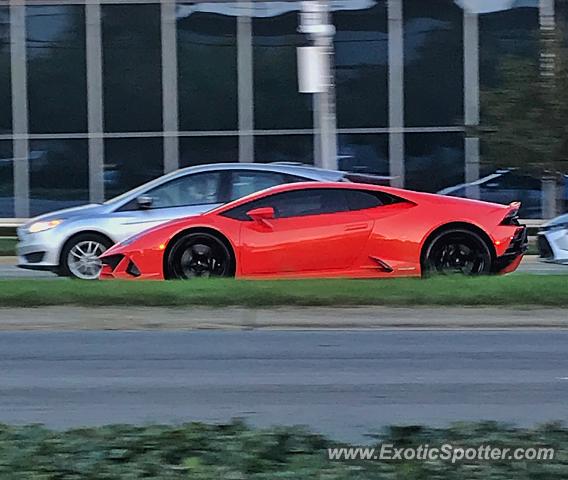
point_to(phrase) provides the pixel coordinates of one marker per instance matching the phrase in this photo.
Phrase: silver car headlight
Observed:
(42, 226)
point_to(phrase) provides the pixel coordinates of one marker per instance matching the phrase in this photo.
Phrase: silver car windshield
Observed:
(138, 190)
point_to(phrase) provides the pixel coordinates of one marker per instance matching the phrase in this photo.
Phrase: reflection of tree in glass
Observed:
(527, 113)
(5, 99)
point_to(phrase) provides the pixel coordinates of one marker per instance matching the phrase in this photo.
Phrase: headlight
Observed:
(42, 226)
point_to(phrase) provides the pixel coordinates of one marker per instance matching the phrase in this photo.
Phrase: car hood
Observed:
(83, 210)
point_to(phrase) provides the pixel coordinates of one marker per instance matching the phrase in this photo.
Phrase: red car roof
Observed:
(289, 187)
(409, 195)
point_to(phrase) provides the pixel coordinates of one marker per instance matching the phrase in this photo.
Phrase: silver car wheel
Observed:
(83, 259)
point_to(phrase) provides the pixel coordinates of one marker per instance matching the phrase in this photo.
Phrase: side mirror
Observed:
(261, 214)
(144, 202)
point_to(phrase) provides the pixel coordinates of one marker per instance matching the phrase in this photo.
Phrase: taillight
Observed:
(512, 218)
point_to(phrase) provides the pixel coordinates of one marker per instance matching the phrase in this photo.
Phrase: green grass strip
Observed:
(8, 246)
(511, 291)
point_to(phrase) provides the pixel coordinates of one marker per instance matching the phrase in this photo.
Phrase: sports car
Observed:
(553, 240)
(327, 230)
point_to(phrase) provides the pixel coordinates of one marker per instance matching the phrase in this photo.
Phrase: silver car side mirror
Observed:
(144, 202)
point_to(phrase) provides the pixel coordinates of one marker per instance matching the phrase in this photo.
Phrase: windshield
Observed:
(139, 190)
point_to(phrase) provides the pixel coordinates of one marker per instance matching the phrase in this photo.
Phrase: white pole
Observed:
(396, 92)
(471, 100)
(315, 21)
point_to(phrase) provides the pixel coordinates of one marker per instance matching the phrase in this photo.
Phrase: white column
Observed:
(547, 14)
(549, 197)
(471, 99)
(245, 83)
(547, 22)
(396, 92)
(19, 108)
(169, 86)
(95, 100)
(316, 103)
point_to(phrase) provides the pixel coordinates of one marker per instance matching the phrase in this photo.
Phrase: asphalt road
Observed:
(530, 264)
(342, 383)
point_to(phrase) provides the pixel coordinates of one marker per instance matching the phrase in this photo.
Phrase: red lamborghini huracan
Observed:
(327, 230)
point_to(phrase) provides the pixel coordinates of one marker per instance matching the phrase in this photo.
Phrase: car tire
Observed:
(92, 244)
(457, 251)
(199, 255)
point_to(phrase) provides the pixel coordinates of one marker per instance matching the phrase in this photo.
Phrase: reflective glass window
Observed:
(361, 64)
(364, 153)
(502, 184)
(59, 174)
(57, 78)
(513, 103)
(200, 150)
(434, 161)
(6, 179)
(5, 85)
(132, 59)
(277, 102)
(284, 148)
(507, 36)
(433, 63)
(207, 66)
(130, 162)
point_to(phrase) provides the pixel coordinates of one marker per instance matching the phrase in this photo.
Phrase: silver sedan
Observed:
(69, 242)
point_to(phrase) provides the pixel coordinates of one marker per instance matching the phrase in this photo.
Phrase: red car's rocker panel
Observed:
(327, 230)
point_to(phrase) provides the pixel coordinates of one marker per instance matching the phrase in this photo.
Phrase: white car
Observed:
(553, 240)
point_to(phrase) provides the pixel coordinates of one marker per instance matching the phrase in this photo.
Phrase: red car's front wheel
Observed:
(199, 255)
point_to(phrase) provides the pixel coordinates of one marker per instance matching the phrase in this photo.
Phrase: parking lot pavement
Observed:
(9, 270)
(531, 264)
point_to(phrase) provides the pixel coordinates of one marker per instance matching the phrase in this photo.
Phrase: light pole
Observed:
(315, 75)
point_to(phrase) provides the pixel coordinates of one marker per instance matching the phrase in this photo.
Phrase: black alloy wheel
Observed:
(199, 255)
(457, 252)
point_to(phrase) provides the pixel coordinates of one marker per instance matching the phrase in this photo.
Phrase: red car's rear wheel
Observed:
(457, 252)
(199, 255)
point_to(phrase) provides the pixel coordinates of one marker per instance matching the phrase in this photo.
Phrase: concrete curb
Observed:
(123, 318)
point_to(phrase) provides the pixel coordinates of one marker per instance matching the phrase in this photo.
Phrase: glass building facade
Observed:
(98, 96)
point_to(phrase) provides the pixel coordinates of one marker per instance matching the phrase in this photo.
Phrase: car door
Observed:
(181, 197)
(313, 231)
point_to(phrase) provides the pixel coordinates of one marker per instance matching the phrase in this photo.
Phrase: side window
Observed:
(301, 203)
(245, 182)
(360, 200)
(196, 189)
(298, 203)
